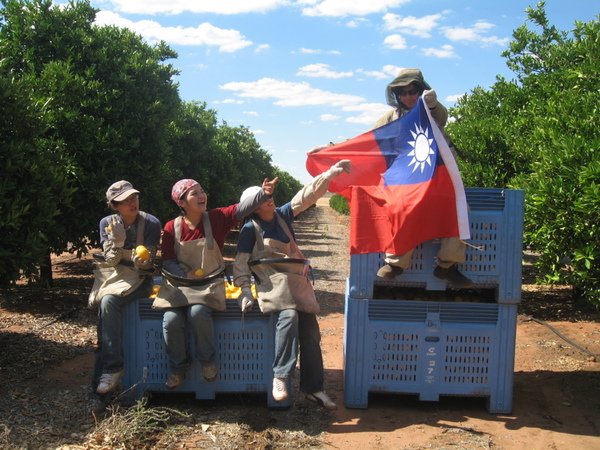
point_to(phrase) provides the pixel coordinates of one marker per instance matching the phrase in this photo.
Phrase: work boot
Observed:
(210, 371)
(451, 274)
(174, 380)
(389, 272)
(321, 398)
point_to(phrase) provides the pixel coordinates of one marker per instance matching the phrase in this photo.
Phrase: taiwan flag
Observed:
(404, 187)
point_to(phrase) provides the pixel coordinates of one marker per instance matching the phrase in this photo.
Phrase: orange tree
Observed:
(540, 132)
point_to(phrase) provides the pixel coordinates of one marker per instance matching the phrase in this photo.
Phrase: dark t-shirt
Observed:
(271, 229)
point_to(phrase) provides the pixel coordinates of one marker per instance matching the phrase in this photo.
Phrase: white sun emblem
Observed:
(421, 148)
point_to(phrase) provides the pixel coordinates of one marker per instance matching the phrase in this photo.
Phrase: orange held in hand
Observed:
(142, 252)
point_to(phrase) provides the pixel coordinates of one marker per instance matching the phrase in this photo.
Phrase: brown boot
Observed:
(389, 272)
(451, 274)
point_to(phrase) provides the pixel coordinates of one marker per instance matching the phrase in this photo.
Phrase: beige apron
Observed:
(203, 253)
(119, 280)
(281, 285)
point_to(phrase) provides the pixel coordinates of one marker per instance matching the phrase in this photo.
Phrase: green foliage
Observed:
(84, 106)
(540, 133)
(339, 204)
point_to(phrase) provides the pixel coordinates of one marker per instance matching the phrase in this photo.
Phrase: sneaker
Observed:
(389, 272)
(322, 399)
(280, 389)
(210, 371)
(109, 382)
(174, 380)
(451, 274)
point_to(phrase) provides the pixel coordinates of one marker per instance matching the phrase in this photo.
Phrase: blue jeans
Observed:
(286, 343)
(110, 330)
(311, 358)
(175, 322)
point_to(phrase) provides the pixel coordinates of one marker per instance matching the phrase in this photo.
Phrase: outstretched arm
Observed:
(314, 190)
(249, 205)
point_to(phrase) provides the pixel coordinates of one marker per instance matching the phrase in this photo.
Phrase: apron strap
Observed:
(139, 231)
(208, 235)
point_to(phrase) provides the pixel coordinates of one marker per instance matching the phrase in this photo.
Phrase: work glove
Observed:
(115, 232)
(338, 168)
(245, 299)
(430, 98)
(139, 263)
(318, 148)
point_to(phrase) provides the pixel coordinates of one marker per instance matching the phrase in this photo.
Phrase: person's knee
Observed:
(200, 312)
(289, 316)
(108, 303)
(172, 321)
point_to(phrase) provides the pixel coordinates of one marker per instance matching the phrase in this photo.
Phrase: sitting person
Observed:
(121, 277)
(267, 234)
(192, 250)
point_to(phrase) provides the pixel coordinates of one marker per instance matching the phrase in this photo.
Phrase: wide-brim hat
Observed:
(404, 78)
(119, 191)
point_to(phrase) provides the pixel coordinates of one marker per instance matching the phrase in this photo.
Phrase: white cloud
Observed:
(321, 70)
(229, 101)
(316, 51)
(453, 98)
(286, 93)
(445, 51)
(205, 34)
(342, 8)
(369, 113)
(329, 117)
(255, 132)
(415, 26)
(290, 94)
(395, 41)
(261, 48)
(476, 33)
(196, 6)
(388, 71)
(355, 23)
(250, 113)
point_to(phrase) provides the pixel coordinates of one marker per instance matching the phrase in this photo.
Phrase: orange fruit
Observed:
(142, 252)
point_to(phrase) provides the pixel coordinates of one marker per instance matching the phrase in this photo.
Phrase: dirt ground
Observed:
(47, 339)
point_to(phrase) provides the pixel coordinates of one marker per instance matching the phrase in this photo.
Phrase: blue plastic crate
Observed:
(245, 352)
(496, 219)
(431, 349)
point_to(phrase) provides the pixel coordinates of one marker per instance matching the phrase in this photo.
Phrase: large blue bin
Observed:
(408, 345)
(245, 352)
(492, 261)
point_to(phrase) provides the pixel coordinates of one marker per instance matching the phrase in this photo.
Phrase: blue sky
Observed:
(306, 72)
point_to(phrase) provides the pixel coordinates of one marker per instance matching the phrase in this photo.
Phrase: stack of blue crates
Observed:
(245, 348)
(408, 345)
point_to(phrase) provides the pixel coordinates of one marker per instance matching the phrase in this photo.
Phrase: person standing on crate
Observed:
(267, 248)
(123, 273)
(403, 94)
(193, 270)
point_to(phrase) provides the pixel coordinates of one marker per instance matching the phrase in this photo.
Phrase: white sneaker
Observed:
(109, 382)
(322, 399)
(280, 389)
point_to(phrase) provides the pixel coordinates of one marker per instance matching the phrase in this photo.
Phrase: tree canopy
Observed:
(84, 106)
(540, 133)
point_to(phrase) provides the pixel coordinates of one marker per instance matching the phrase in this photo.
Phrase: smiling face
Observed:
(194, 200)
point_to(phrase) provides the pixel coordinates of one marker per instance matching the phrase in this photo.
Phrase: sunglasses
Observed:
(403, 92)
